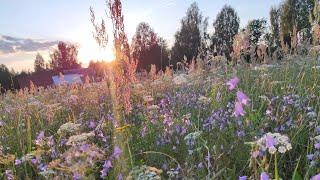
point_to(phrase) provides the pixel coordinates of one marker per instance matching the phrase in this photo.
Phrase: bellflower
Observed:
(232, 83)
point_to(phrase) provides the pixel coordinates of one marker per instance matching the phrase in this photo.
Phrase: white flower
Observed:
(272, 150)
(153, 107)
(282, 149)
(79, 139)
(148, 98)
(181, 79)
(68, 128)
(289, 146)
(204, 100)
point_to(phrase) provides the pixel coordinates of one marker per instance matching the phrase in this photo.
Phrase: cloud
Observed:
(10, 44)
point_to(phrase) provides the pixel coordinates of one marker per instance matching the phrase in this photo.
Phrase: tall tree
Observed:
(65, 57)
(275, 26)
(39, 64)
(256, 30)
(6, 79)
(148, 48)
(188, 38)
(295, 16)
(226, 26)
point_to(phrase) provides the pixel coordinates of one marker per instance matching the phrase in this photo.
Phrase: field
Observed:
(221, 122)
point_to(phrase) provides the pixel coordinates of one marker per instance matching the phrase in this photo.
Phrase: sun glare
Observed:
(90, 51)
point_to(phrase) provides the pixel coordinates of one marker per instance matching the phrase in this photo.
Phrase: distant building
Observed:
(49, 78)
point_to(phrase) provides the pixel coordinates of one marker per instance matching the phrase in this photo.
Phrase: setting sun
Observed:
(90, 50)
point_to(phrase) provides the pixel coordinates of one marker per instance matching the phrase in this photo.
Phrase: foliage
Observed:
(39, 64)
(65, 57)
(256, 29)
(275, 26)
(7, 79)
(188, 38)
(226, 27)
(200, 125)
(148, 48)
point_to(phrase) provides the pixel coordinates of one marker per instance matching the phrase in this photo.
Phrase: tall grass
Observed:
(180, 126)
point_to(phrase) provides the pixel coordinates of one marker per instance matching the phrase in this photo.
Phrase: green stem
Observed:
(276, 173)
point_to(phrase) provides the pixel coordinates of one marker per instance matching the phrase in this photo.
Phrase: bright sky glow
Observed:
(70, 21)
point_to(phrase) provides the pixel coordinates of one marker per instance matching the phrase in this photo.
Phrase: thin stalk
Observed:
(276, 173)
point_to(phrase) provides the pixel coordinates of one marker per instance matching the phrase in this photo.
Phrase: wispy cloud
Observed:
(10, 44)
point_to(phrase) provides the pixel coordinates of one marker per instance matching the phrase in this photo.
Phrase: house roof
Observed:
(44, 79)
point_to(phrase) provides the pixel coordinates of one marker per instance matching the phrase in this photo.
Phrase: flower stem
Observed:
(276, 173)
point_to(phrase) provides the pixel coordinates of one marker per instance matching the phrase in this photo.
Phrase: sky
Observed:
(39, 21)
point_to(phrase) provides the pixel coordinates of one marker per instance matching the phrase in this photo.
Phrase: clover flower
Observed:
(272, 143)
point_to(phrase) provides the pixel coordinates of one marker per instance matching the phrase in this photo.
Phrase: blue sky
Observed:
(69, 20)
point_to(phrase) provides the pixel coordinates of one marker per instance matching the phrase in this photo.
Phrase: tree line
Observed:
(292, 23)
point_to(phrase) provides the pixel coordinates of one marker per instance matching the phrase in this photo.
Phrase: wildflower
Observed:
(239, 110)
(17, 162)
(310, 156)
(232, 83)
(264, 176)
(106, 167)
(76, 176)
(282, 149)
(273, 142)
(79, 139)
(317, 146)
(68, 128)
(180, 79)
(148, 98)
(1, 123)
(272, 150)
(204, 100)
(316, 177)
(9, 175)
(116, 152)
(242, 98)
(243, 177)
(270, 141)
(40, 138)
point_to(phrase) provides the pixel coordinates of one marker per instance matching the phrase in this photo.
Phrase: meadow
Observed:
(202, 122)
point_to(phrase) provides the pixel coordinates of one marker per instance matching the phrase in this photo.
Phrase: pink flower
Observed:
(242, 98)
(232, 83)
(239, 110)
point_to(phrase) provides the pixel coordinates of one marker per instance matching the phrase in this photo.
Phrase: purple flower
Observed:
(116, 152)
(310, 157)
(317, 146)
(264, 176)
(270, 142)
(255, 154)
(76, 176)
(9, 175)
(316, 177)
(40, 138)
(106, 166)
(17, 162)
(232, 83)
(242, 98)
(239, 110)
(243, 177)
